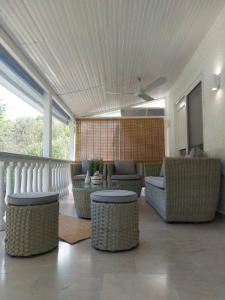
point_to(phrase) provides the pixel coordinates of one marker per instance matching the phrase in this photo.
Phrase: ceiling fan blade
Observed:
(122, 94)
(154, 84)
(143, 95)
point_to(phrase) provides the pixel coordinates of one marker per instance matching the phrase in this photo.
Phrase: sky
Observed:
(15, 106)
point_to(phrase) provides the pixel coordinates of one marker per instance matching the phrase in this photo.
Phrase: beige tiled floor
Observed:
(173, 262)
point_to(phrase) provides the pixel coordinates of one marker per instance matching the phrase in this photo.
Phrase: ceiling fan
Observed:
(141, 92)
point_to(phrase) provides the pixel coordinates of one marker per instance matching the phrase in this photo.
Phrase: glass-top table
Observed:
(106, 184)
(81, 195)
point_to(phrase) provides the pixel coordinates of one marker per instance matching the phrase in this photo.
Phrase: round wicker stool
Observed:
(114, 220)
(31, 223)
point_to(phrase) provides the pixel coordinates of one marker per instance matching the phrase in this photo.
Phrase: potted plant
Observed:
(95, 164)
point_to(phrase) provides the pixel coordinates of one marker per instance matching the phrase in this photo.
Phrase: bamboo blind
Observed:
(111, 139)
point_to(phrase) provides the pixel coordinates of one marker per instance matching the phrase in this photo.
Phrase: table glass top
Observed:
(79, 184)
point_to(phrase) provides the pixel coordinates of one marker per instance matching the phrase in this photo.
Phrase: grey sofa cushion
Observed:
(85, 165)
(114, 196)
(156, 181)
(80, 177)
(126, 177)
(124, 167)
(162, 171)
(32, 198)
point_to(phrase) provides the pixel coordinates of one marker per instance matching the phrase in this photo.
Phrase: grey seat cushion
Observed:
(156, 181)
(114, 196)
(126, 177)
(80, 177)
(22, 199)
(124, 167)
(85, 165)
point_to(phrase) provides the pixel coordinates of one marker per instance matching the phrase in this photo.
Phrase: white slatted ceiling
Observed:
(100, 45)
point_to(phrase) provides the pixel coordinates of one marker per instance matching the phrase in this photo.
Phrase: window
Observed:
(60, 139)
(21, 125)
(21, 113)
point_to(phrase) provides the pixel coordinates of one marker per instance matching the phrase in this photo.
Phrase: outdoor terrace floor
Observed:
(172, 262)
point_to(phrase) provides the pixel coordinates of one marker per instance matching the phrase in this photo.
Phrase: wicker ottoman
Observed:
(114, 220)
(31, 223)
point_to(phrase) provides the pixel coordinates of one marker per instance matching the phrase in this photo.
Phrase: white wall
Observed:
(208, 59)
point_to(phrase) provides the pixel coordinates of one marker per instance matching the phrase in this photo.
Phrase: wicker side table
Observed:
(81, 195)
(114, 219)
(31, 223)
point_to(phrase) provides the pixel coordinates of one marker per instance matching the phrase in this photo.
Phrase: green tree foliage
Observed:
(2, 111)
(60, 140)
(25, 136)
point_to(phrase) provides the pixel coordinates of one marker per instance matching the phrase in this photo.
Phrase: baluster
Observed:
(53, 177)
(40, 177)
(63, 180)
(68, 178)
(46, 180)
(66, 181)
(35, 175)
(9, 180)
(58, 179)
(30, 177)
(17, 179)
(2, 200)
(24, 178)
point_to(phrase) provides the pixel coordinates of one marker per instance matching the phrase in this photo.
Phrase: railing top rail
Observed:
(62, 160)
(15, 157)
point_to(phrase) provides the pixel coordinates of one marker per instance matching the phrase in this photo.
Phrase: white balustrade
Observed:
(24, 173)
(24, 178)
(9, 180)
(30, 177)
(17, 179)
(2, 195)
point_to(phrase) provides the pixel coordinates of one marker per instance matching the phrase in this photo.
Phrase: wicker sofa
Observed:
(189, 192)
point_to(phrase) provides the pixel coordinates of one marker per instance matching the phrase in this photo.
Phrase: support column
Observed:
(47, 141)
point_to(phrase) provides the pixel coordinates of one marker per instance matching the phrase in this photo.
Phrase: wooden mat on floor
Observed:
(73, 230)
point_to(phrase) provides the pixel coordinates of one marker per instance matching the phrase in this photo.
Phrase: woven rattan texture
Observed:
(114, 226)
(192, 190)
(82, 202)
(31, 230)
(130, 185)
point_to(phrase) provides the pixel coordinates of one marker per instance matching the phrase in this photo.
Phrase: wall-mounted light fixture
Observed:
(216, 82)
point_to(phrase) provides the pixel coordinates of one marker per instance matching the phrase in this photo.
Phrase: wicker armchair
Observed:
(79, 170)
(189, 192)
(76, 172)
(125, 173)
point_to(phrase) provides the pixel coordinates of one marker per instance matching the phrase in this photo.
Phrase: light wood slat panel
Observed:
(110, 139)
